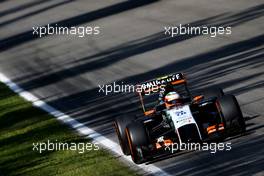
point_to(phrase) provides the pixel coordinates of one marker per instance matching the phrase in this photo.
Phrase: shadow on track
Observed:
(2, 24)
(75, 21)
(146, 44)
(245, 158)
(21, 7)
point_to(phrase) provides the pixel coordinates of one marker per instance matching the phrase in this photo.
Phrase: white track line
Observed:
(79, 127)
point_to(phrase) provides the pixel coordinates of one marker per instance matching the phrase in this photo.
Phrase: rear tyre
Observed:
(138, 141)
(120, 127)
(213, 92)
(234, 121)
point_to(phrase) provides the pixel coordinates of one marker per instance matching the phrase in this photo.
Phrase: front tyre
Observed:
(234, 121)
(138, 141)
(120, 124)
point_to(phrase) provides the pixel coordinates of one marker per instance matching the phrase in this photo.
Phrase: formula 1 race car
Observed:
(171, 114)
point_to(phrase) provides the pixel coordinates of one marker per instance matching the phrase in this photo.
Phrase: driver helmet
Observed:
(172, 99)
(165, 90)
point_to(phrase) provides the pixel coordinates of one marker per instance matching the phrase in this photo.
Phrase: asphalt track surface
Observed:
(65, 71)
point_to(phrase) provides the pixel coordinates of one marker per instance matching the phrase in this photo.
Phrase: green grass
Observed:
(21, 125)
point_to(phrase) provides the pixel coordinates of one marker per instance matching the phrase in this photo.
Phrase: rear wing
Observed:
(156, 84)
